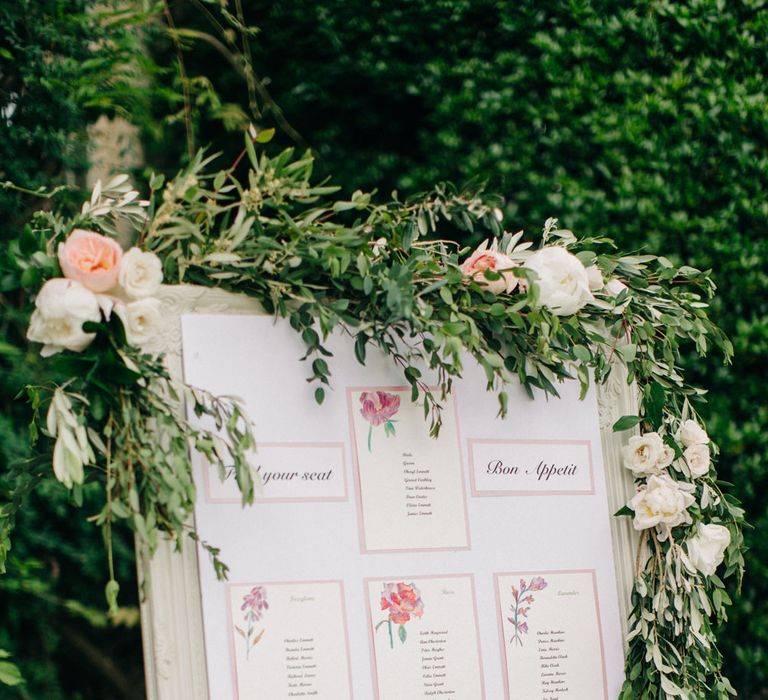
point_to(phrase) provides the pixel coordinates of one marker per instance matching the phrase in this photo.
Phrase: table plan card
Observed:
(411, 535)
(411, 485)
(551, 635)
(424, 637)
(289, 640)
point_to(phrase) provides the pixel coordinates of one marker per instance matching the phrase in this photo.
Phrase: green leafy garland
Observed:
(379, 272)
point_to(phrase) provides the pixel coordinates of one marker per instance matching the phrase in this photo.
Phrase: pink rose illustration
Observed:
(254, 605)
(401, 600)
(522, 606)
(378, 408)
(91, 259)
(481, 260)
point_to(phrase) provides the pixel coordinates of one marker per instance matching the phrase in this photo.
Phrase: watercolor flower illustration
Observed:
(254, 605)
(523, 602)
(378, 408)
(402, 601)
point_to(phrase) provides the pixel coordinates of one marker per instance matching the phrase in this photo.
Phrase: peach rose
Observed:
(480, 261)
(91, 259)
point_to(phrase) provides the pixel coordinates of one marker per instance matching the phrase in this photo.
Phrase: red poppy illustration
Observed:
(402, 601)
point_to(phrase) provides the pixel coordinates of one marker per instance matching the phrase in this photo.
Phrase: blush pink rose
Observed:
(91, 259)
(402, 600)
(481, 260)
(378, 406)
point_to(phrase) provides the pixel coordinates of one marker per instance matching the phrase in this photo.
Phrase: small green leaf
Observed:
(31, 278)
(627, 352)
(454, 327)
(360, 342)
(265, 136)
(625, 423)
(581, 352)
(10, 674)
(27, 242)
(156, 181)
(402, 634)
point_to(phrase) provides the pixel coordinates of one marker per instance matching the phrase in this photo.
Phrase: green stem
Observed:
(370, 435)
(391, 638)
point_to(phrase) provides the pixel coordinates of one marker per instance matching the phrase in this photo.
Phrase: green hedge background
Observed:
(643, 121)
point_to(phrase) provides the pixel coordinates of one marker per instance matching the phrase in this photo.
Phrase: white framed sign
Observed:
(378, 562)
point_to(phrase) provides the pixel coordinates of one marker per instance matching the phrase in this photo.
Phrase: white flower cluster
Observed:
(662, 502)
(564, 285)
(98, 278)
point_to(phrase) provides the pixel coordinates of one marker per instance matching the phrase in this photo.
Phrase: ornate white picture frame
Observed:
(172, 619)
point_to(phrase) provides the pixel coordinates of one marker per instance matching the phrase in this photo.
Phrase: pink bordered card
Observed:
(410, 486)
(424, 637)
(550, 634)
(289, 639)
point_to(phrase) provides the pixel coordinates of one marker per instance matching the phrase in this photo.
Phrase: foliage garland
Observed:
(376, 271)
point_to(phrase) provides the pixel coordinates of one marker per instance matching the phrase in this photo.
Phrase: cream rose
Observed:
(647, 454)
(141, 319)
(691, 433)
(698, 459)
(667, 457)
(706, 549)
(662, 503)
(91, 259)
(61, 308)
(481, 260)
(562, 280)
(141, 274)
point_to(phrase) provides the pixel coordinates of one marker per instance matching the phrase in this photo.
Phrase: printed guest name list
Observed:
(411, 486)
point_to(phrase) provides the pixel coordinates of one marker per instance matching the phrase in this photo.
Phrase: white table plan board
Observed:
(378, 562)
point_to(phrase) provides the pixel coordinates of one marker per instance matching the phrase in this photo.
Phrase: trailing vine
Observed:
(385, 274)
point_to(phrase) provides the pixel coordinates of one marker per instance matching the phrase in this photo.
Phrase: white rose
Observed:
(645, 454)
(697, 458)
(141, 274)
(706, 549)
(141, 319)
(662, 503)
(62, 306)
(595, 277)
(691, 433)
(562, 280)
(667, 457)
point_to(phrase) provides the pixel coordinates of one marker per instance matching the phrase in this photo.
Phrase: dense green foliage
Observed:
(643, 121)
(57, 73)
